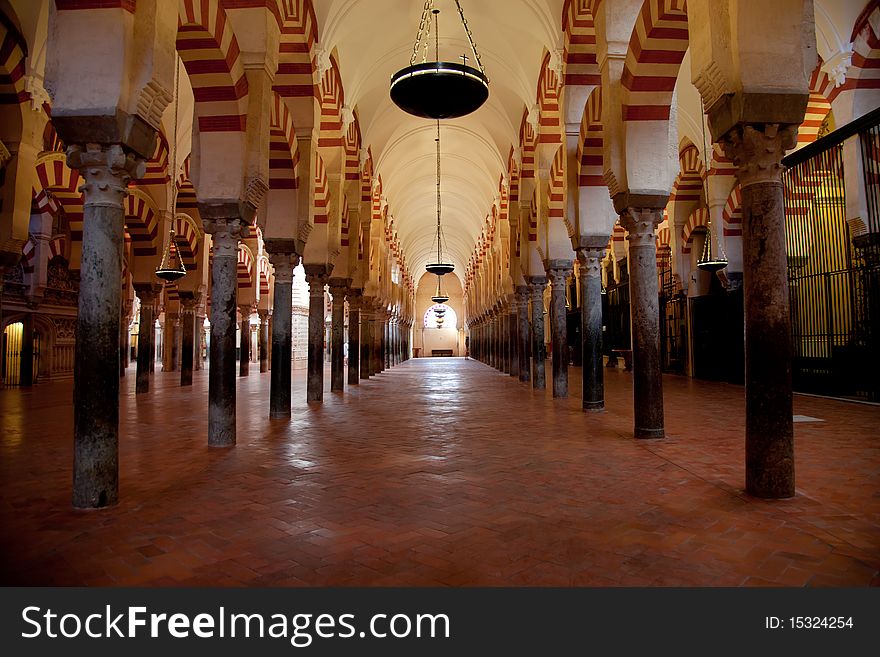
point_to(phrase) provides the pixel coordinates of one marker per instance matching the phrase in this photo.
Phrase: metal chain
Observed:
(438, 192)
(470, 37)
(427, 41)
(422, 25)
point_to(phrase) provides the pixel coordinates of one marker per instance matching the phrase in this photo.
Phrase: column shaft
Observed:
(591, 330)
(244, 345)
(354, 342)
(558, 272)
(523, 333)
(187, 352)
(282, 335)
(537, 284)
(337, 337)
(317, 281)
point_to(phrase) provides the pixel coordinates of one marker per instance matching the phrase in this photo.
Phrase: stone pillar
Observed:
(513, 332)
(173, 322)
(264, 340)
(757, 152)
(26, 364)
(366, 337)
(388, 345)
(558, 272)
(317, 276)
(522, 332)
(187, 352)
(591, 328)
(283, 261)
(244, 343)
(147, 295)
(106, 172)
(493, 331)
(378, 337)
(225, 226)
(503, 316)
(354, 336)
(640, 224)
(338, 288)
(536, 287)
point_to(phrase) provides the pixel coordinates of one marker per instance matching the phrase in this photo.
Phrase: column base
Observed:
(594, 406)
(649, 433)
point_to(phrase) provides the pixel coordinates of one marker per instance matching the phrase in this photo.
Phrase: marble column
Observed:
(378, 337)
(354, 335)
(757, 152)
(338, 289)
(106, 172)
(244, 344)
(224, 224)
(640, 224)
(263, 342)
(389, 342)
(536, 287)
(173, 322)
(558, 272)
(187, 352)
(495, 338)
(503, 315)
(147, 295)
(590, 277)
(513, 332)
(523, 332)
(283, 261)
(316, 276)
(366, 337)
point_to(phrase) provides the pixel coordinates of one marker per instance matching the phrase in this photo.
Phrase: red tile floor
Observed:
(438, 472)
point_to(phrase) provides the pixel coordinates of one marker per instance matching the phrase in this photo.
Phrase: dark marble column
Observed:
(283, 261)
(26, 364)
(513, 332)
(591, 328)
(173, 322)
(496, 340)
(187, 351)
(354, 335)
(244, 346)
(106, 171)
(640, 224)
(338, 288)
(378, 338)
(536, 287)
(558, 272)
(757, 151)
(523, 332)
(226, 228)
(366, 337)
(147, 296)
(503, 317)
(317, 276)
(263, 343)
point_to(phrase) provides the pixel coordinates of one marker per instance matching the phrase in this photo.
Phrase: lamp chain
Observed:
(424, 25)
(438, 192)
(470, 37)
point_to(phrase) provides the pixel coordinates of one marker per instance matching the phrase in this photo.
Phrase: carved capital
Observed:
(284, 264)
(106, 172)
(317, 277)
(146, 292)
(757, 150)
(264, 316)
(640, 224)
(225, 234)
(590, 260)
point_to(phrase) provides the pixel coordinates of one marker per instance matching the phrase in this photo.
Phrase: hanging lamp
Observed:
(439, 297)
(171, 267)
(710, 260)
(439, 268)
(439, 90)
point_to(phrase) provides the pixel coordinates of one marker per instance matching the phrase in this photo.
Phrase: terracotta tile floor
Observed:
(438, 472)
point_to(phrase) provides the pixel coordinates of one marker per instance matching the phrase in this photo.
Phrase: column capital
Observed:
(264, 315)
(188, 302)
(246, 310)
(339, 286)
(640, 224)
(590, 261)
(225, 233)
(757, 150)
(558, 271)
(147, 292)
(106, 170)
(283, 263)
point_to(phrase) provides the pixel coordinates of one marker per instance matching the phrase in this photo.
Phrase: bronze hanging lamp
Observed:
(440, 267)
(439, 90)
(171, 267)
(712, 259)
(439, 297)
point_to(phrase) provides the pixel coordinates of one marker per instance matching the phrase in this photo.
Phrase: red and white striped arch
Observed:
(556, 200)
(865, 70)
(157, 172)
(591, 145)
(581, 67)
(321, 197)
(12, 57)
(142, 222)
(299, 33)
(528, 142)
(352, 147)
(688, 184)
(210, 53)
(656, 48)
(699, 218)
(265, 273)
(732, 213)
(63, 183)
(245, 267)
(283, 153)
(189, 240)
(818, 106)
(664, 249)
(332, 100)
(549, 85)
